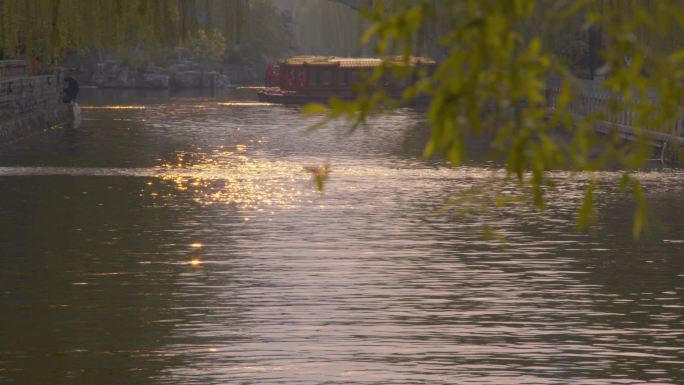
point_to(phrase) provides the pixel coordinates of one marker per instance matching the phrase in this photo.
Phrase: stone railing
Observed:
(29, 103)
(25, 95)
(12, 69)
(594, 100)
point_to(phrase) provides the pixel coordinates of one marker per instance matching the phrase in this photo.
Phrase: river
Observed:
(179, 239)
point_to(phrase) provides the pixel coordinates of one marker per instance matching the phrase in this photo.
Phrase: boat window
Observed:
(387, 80)
(326, 77)
(301, 78)
(311, 76)
(343, 77)
(354, 77)
(289, 78)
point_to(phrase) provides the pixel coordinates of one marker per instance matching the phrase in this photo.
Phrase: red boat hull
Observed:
(286, 97)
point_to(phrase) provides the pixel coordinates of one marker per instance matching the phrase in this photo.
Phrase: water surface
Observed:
(179, 240)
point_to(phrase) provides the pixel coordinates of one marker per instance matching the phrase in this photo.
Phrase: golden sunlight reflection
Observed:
(115, 107)
(220, 176)
(230, 178)
(245, 104)
(196, 245)
(195, 262)
(251, 87)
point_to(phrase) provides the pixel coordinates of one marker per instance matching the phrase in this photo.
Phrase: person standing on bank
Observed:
(70, 91)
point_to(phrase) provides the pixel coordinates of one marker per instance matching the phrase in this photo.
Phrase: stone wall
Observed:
(29, 103)
(12, 68)
(185, 74)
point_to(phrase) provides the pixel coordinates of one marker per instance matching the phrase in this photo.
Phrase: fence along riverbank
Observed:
(590, 98)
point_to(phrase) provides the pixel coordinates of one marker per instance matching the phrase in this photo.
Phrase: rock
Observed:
(185, 74)
(154, 80)
(222, 81)
(216, 80)
(115, 78)
(153, 68)
(208, 79)
(187, 79)
(176, 68)
(242, 74)
(184, 66)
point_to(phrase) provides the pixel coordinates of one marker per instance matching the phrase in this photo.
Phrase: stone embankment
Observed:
(29, 103)
(186, 74)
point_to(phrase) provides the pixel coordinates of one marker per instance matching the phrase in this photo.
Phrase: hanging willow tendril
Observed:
(506, 73)
(47, 29)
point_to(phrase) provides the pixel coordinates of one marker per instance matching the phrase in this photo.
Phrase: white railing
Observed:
(597, 101)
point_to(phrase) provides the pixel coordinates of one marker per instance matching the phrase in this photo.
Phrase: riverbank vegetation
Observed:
(135, 34)
(240, 34)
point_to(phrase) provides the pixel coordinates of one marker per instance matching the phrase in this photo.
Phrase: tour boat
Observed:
(305, 79)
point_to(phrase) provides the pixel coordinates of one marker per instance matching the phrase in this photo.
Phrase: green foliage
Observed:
(320, 174)
(50, 28)
(207, 46)
(327, 27)
(499, 61)
(587, 213)
(269, 34)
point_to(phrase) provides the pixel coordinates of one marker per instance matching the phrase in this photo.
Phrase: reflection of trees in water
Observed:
(629, 267)
(96, 283)
(593, 306)
(637, 286)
